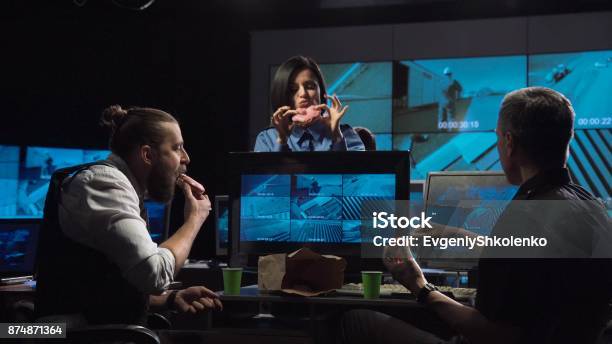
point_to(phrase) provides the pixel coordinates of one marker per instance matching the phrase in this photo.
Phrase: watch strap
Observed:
(422, 295)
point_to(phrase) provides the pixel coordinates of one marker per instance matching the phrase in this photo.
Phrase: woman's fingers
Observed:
(289, 113)
(336, 104)
(344, 110)
(279, 113)
(322, 107)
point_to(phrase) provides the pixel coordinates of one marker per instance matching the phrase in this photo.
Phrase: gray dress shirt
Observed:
(101, 208)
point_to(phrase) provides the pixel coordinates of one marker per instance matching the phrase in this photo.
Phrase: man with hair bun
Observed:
(116, 272)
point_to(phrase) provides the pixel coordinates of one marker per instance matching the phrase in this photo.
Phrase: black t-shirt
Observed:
(550, 300)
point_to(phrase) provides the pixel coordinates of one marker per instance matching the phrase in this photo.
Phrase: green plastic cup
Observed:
(231, 281)
(371, 284)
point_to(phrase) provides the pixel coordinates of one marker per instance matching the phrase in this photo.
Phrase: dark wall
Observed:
(62, 64)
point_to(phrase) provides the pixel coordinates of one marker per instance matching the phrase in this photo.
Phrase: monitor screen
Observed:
(590, 159)
(35, 173)
(586, 79)
(583, 77)
(433, 152)
(284, 201)
(158, 220)
(455, 94)
(18, 243)
(222, 207)
(446, 191)
(473, 201)
(9, 177)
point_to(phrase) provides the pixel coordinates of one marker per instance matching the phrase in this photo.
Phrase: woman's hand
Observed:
(336, 112)
(281, 120)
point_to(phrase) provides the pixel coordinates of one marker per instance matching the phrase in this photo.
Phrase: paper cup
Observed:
(231, 281)
(371, 284)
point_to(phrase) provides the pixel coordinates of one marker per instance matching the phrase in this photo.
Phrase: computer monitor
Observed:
(284, 201)
(9, 177)
(159, 220)
(35, 173)
(487, 194)
(18, 244)
(221, 224)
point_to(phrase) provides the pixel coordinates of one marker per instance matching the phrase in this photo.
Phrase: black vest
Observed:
(73, 278)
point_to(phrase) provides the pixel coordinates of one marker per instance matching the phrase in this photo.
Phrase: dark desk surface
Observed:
(27, 287)
(252, 294)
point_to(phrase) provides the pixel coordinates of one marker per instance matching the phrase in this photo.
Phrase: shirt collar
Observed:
(122, 166)
(551, 177)
(317, 130)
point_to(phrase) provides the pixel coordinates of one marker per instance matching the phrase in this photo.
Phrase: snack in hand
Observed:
(196, 188)
(306, 114)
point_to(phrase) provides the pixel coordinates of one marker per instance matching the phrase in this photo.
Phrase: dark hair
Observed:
(133, 127)
(542, 122)
(280, 92)
(367, 137)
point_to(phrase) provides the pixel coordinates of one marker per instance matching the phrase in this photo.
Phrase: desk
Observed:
(323, 311)
(10, 295)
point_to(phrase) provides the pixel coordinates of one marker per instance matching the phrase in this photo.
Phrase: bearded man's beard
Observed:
(161, 184)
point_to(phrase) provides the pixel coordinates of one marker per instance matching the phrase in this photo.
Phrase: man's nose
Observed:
(185, 160)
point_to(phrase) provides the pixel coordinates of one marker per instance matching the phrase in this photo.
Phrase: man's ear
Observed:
(146, 154)
(509, 143)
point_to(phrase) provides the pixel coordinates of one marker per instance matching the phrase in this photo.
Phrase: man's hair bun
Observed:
(113, 117)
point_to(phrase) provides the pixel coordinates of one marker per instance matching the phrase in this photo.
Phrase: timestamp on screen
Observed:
(460, 125)
(594, 121)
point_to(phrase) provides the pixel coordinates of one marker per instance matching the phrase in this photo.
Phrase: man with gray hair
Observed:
(519, 300)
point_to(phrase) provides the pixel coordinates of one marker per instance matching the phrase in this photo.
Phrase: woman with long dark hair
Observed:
(301, 119)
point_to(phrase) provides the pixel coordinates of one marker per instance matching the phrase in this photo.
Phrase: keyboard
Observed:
(385, 290)
(356, 289)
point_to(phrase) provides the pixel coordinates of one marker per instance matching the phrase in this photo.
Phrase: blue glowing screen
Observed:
(323, 208)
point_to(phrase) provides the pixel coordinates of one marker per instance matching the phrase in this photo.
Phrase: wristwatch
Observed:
(422, 295)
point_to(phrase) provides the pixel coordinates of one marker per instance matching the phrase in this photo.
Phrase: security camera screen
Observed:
(584, 77)
(18, 246)
(450, 95)
(432, 152)
(323, 208)
(35, 174)
(9, 176)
